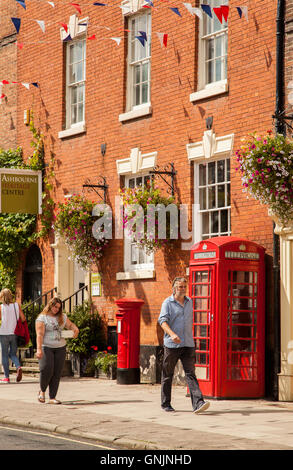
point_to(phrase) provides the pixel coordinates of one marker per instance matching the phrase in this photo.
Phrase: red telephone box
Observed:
(128, 330)
(227, 285)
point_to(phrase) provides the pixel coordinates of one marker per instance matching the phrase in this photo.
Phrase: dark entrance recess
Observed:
(33, 274)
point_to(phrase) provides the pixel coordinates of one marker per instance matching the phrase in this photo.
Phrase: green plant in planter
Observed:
(91, 330)
(146, 218)
(74, 223)
(105, 360)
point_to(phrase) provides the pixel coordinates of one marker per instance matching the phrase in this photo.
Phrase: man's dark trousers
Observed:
(187, 357)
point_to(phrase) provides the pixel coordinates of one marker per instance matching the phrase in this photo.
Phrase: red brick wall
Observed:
(175, 122)
(8, 72)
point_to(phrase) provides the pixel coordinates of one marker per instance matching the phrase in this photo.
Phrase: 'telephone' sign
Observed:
(21, 191)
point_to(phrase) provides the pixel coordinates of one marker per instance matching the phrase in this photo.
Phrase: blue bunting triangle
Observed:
(22, 3)
(207, 9)
(239, 9)
(176, 10)
(68, 38)
(143, 34)
(141, 39)
(16, 22)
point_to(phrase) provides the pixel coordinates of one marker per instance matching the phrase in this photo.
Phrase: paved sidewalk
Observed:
(130, 416)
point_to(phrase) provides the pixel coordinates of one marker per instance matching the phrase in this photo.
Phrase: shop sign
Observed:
(21, 191)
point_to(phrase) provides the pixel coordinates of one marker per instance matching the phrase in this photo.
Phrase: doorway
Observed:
(32, 278)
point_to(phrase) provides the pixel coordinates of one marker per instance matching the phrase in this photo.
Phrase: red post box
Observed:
(227, 288)
(128, 330)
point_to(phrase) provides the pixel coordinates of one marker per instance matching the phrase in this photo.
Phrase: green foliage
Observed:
(105, 360)
(91, 330)
(16, 230)
(266, 169)
(153, 230)
(74, 222)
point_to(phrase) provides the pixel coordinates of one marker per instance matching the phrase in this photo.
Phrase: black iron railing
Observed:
(77, 298)
(33, 309)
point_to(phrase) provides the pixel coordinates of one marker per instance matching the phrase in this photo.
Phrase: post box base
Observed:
(128, 376)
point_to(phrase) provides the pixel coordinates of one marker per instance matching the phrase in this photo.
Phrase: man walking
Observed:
(176, 319)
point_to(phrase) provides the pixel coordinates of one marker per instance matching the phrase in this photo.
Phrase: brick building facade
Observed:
(224, 71)
(8, 67)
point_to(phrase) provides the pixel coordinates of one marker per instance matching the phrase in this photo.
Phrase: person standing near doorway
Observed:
(176, 319)
(51, 347)
(9, 315)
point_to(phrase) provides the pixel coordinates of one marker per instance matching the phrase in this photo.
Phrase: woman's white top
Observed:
(52, 337)
(8, 318)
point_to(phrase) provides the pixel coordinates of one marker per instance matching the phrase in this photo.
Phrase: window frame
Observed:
(69, 86)
(202, 54)
(199, 235)
(130, 104)
(128, 265)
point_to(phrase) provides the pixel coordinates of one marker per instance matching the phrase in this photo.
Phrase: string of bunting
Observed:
(220, 12)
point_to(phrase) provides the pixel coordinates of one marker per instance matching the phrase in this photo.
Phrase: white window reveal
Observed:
(213, 54)
(213, 196)
(211, 158)
(138, 96)
(75, 76)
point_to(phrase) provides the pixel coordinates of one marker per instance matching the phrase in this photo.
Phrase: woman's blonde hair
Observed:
(6, 296)
(51, 304)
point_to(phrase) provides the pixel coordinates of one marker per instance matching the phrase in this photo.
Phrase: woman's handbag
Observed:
(21, 332)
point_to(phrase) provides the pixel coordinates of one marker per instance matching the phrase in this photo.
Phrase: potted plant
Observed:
(106, 364)
(152, 227)
(74, 223)
(265, 164)
(91, 333)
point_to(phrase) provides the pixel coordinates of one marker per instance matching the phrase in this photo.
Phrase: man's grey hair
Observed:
(178, 279)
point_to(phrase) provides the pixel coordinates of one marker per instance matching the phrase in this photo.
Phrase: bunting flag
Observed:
(149, 2)
(92, 37)
(141, 39)
(64, 26)
(35, 84)
(22, 3)
(26, 85)
(117, 40)
(16, 22)
(207, 10)
(193, 10)
(2, 96)
(68, 38)
(41, 23)
(143, 34)
(218, 13)
(5, 82)
(100, 4)
(163, 38)
(19, 45)
(225, 11)
(52, 4)
(243, 10)
(76, 6)
(176, 10)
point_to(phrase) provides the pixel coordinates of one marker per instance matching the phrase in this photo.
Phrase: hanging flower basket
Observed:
(266, 167)
(146, 219)
(74, 223)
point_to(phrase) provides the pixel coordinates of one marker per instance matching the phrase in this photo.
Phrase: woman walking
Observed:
(9, 315)
(51, 347)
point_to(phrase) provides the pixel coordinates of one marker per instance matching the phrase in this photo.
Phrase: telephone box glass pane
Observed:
(242, 326)
(201, 297)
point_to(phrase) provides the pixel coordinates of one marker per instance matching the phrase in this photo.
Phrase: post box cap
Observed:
(125, 301)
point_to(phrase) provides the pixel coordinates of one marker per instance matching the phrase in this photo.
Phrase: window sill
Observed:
(139, 274)
(136, 113)
(210, 91)
(78, 129)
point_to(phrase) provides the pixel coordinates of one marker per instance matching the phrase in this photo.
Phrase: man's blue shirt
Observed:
(180, 320)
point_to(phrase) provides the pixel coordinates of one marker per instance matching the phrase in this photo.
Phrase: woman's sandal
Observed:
(53, 401)
(41, 397)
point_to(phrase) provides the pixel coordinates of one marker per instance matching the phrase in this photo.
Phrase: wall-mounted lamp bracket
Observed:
(94, 187)
(168, 171)
(283, 118)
